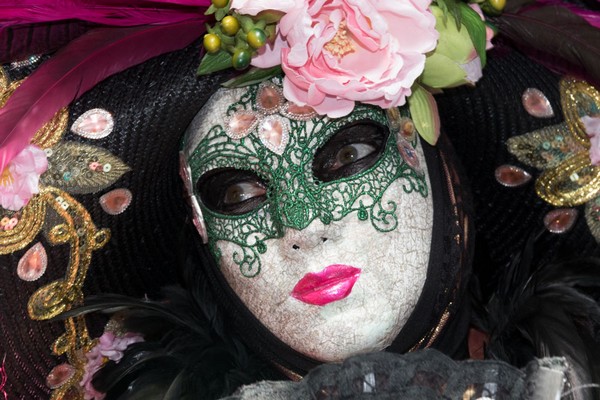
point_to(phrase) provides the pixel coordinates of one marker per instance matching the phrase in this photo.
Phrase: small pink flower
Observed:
(19, 181)
(592, 128)
(337, 52)
(109, 347)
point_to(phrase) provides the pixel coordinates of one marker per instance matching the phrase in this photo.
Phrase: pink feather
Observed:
(77, 68)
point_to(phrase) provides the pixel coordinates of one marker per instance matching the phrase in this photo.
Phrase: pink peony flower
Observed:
(592, 128)
(19, 181)
(109, 347)
(336, 52)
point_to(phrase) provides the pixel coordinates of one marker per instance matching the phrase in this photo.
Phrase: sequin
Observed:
(10, 225)
(116, 201)
(274, 133)
(48, 152)
(269, 98)
(94, 165)
(240, 124)
(33, 263)
(94, 124)
(106, 167)
(537, 104)
(511, 176)
(560, 220)
(60, 375)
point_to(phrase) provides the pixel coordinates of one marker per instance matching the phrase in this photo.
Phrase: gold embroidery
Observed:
(65, 221)
(562, 152)
(578, 98)
(30, 222)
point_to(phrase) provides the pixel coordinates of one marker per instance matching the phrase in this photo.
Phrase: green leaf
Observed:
(476, 28)
(75, 158)
(254, 75)
(220, 14)
(214, 62)
(211, 10)
(451, 7)
(424, 113)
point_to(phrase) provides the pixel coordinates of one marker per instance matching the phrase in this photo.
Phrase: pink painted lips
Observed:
(333, 283)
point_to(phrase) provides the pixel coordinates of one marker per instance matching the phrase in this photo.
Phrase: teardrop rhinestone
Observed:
(537, 104)
(408, 153)
(274, 133)
(269, 98)
(60, 375)
(298, 113)
(33, 263)
(511, 176)
(94, 124)
(116, 201)
(560, 220)
(240, 124)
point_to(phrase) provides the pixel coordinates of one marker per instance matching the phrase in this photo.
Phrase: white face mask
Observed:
(321, 226)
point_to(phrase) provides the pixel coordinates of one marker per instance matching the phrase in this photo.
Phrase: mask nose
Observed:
(315, 234)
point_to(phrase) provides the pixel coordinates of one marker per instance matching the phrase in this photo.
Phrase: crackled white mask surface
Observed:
(321, 226)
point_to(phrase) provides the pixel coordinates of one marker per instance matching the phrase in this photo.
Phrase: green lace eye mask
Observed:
(262, 166)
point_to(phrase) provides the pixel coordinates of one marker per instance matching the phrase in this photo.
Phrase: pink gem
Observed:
(560, 220)
(296, 112)
(33, 263)
(241, 124)
(273, 133)
(116, 201)
(270, 98)
(408, 153)
(511, 176)
(94, 165)
(59, 375)
(94, 124)
(536, 103)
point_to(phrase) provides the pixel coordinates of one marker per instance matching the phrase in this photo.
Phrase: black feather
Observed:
(545, 309)
(189, 352)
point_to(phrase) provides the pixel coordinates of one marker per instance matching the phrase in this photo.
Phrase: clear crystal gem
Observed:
(274, 133)
(94, 124)
(33, 263)
(560, 220)
(240, 124)
(270, 98)
(537, 104)
(511, 176)
(59, 375)
(116, 201)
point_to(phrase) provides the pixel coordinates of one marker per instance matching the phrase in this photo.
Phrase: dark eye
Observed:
(231, 191)
(353, 149)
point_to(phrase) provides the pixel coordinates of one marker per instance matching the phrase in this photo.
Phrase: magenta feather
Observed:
(79, 66)
(104, 12)
(22, 41)
(592, 17)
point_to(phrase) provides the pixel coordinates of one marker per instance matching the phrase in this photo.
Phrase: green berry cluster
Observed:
(238, 35)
